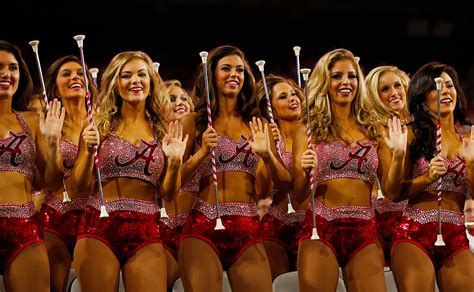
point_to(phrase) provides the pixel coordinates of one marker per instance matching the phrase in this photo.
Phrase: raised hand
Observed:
(173, 144)
(396, 137)
(209, 139)
(259, 140)
(51, 124)
(91, 137)
(467, 150)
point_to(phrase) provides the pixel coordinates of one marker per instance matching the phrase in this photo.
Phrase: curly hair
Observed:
(21, 98)
(323, 126)
(111, 101)
(424, 128)
(246, 100)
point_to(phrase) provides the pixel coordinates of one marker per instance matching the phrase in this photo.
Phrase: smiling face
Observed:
(134, 81)
(229, 75)
(179, 105)
(70, 81)
(285, 102)
(391, 91)
(343, 83)
(448, 97)
(9, 75)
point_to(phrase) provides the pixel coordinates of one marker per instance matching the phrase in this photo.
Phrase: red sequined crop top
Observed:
(231, 156)
(120, 158)
(339, 160)
(18, 151)
(454, 180)
(68, 151)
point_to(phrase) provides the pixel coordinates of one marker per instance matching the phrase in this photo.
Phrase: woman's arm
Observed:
(263, 144)
(82, 179)
(391, 152)
(173, 146)
(192, 161)
(304, 162)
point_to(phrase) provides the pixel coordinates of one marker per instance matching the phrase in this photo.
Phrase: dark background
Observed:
(402, 33)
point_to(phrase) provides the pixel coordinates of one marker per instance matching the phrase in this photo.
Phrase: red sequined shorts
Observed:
(62, 219)
(18, 230)
(242, 228)
(345, 230)
(131, 225)
(420, 228)
(387, 215)
(171, 229)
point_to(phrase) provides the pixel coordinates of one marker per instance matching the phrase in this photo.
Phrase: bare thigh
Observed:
(97, 267)
(59, 261)
(277, 258)
(318, 269)
(172, 269)
(458, 273)
(146, 269)
(364, 271)
(29, 270)
(251, 271)
(412, 268)
(200, 267)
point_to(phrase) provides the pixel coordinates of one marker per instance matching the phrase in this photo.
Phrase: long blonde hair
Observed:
(380, 110)
(323, 126)
(111, 101)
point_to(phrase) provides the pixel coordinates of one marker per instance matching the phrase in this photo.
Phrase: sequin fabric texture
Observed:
(338, 160)
(420, 227)
(18, 230)
(242, 228)
(18, 152)
(454, 180)
(346, 229)
(120, 158)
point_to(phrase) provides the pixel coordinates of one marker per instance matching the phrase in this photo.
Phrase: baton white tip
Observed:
(156, 66)
(203, 55)
(290, 209)
(439, 240)
(94, 72)
(260, 64)
(305, 72)
(79, 39)
(315, 235)
(219, 225)
(34, 45)
(439, 82)
(163, 213)
(297, 50)
(103, 212)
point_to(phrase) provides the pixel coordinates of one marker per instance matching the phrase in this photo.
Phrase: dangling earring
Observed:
(425, 107)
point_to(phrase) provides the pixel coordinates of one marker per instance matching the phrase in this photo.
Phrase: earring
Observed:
(425, 107)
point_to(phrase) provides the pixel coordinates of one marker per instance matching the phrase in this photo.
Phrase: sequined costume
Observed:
(171, 228)
(420, 227)
(18, 224)
(344, 229)
(63, 218)
(132, 223)
(241, 228)
(279, 226)
(387, 215)
(240, 220)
